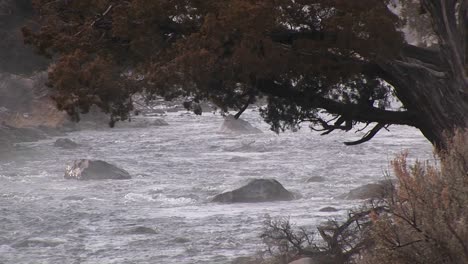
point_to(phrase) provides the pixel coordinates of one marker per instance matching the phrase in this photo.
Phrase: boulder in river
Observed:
(143, 230)
(257, 190)
(65, 143)
(233, 125)
(328, 209)
(85, 169)
(370, 191)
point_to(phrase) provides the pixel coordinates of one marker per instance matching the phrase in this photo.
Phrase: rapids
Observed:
(163, 214)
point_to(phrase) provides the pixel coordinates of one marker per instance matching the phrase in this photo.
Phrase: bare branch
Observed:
(368, 136)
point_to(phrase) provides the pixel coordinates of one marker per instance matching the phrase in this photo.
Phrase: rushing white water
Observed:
(176, 170)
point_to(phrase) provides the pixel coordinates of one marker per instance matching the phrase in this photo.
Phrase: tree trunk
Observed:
(433, 82)
(438, 99)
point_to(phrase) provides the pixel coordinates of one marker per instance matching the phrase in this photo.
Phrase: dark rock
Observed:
(197, 109)
(85, 169)
(65, 143)
(370, 191)
(328, 209)
(316, 179)
(257, 190)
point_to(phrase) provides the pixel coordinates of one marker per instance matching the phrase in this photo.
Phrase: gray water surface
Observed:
(163, 214)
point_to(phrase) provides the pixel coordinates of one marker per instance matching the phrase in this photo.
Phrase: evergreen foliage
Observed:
(344, 58)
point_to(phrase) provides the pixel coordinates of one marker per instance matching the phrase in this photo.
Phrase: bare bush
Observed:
(284, 241)
(340, 242)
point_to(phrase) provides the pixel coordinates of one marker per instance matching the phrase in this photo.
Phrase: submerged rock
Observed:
(37, 242)
(369, 191)
(65, 143)
(181, 240)
(74, 198)
(85, 169)
(142, 123)
(328, 209)
(316, 179)
(143, 230)
(233, 125)
(257, 190)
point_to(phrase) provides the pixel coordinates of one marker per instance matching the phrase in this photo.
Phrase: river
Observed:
(163, 214)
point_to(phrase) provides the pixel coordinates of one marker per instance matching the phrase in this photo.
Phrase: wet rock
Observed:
(159, 122)
(142, 230)
(246, 260)
(239, 126)
(85, 169)
(316, 179)
(197, 109)
(74, 198)
(65, 143)
(369, 191)
(328, 209)
(257, 190)
(181, 240)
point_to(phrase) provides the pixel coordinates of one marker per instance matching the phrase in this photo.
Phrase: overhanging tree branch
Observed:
(355, 112)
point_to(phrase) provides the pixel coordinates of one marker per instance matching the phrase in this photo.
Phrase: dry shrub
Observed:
(426, 219)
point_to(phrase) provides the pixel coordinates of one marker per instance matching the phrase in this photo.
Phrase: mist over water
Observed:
(163, 214)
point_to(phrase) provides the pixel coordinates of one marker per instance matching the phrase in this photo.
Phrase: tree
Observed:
(308, 57)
